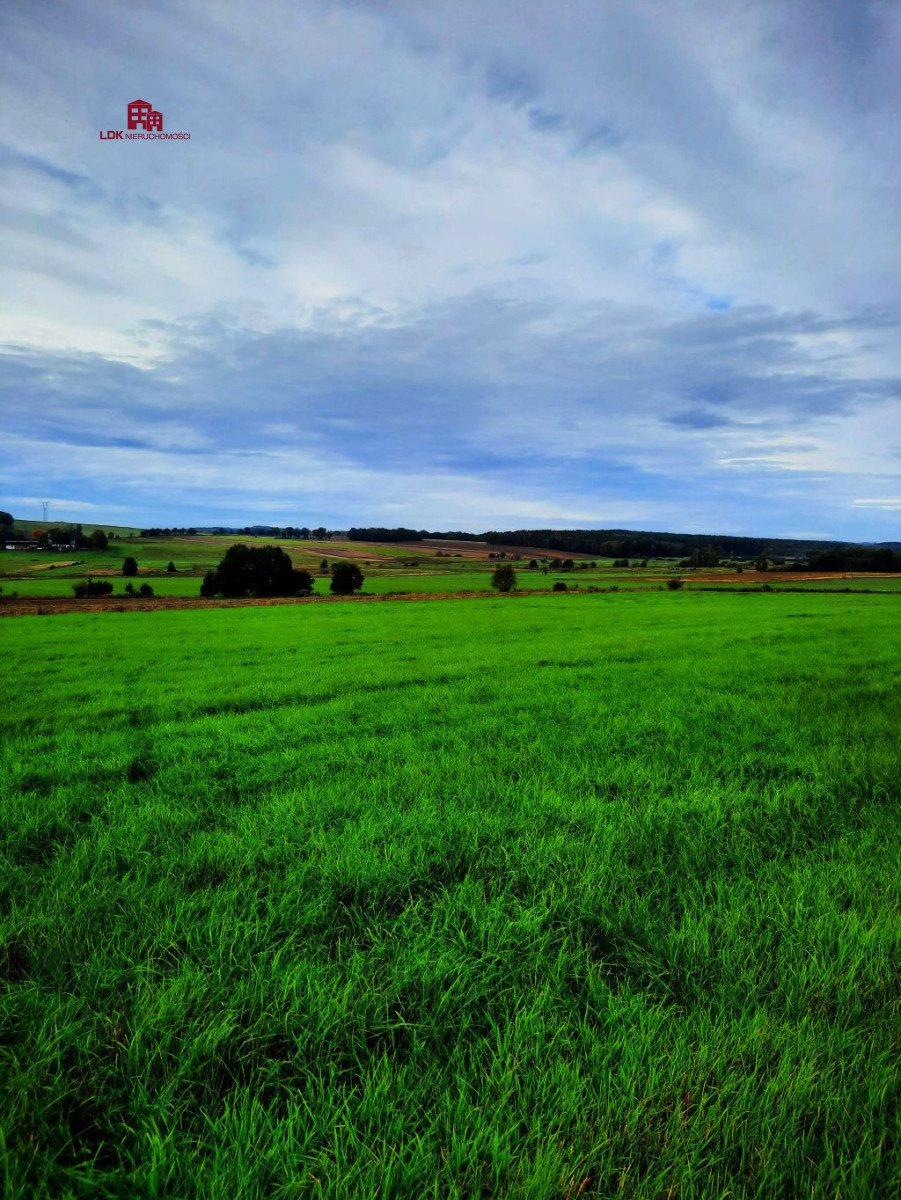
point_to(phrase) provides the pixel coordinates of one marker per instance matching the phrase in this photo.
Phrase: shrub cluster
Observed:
(248, 571)
(504, 578)
(347, 578)
(92, 587)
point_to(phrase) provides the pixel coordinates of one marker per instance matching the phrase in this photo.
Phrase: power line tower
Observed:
(45, 504)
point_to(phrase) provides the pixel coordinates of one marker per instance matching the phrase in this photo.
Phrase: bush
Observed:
(347, 578)
(675, 584)
(171, 568)
(256, 571)
(559, 586)
(504, 578)
(130, 589)
(92, 587)
(145, 591)
(130, 566)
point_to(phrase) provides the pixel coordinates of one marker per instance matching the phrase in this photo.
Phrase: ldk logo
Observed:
(142, 115)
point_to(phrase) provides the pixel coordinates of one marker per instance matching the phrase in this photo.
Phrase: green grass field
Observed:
(550, 897)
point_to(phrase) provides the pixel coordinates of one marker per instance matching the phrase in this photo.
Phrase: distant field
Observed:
(87, 526)
(869, 582)
(537, 898)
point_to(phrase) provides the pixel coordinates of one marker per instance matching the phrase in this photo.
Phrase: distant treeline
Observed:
(156, 533)
(624, 543)
(702, 549)
(377, 534)
(856, 558)
(608, 543)
(296, 532)
(699, 549)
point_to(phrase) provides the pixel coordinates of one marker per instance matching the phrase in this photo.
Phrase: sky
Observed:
(453, 264)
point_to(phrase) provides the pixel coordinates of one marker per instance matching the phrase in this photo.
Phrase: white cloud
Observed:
(643, 247)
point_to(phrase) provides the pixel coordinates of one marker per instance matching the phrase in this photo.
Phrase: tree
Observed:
(256, 571)
(533, 564)
(347, 578)
(323, 565)
(98, 540)
(559, 586)
(171, 568)
(92, 587)
(504, 578)
(130, 567)
(6, 518)
(145, 590)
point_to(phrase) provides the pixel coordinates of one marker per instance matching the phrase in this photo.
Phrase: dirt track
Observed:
(46, 606)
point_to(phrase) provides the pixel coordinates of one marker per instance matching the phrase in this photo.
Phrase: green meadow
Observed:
(553, 896)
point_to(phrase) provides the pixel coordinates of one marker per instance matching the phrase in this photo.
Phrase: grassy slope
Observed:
(447, 900)
(87, 526)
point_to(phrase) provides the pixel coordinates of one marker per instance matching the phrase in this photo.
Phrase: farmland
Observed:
(545, 897)
(411, 568)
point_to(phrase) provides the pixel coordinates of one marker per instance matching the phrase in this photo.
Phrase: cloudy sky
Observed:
(455, 264)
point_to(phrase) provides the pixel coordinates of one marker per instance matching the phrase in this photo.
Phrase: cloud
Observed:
(698, 418)
(633, 259)
(893, 503)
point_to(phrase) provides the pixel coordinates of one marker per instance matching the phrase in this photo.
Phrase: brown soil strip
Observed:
(22, 606)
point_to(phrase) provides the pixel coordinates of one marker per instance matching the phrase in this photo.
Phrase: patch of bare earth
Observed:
(24, 606)
(781, 576)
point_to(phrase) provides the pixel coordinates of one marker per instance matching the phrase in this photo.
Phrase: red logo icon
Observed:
(145, 124)
(142, 115)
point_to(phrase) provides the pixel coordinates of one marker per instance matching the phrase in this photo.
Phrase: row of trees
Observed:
(289, 532)
(857, 558)
(87, 588)
(628, 543)
(377, 533)
(157, 532)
